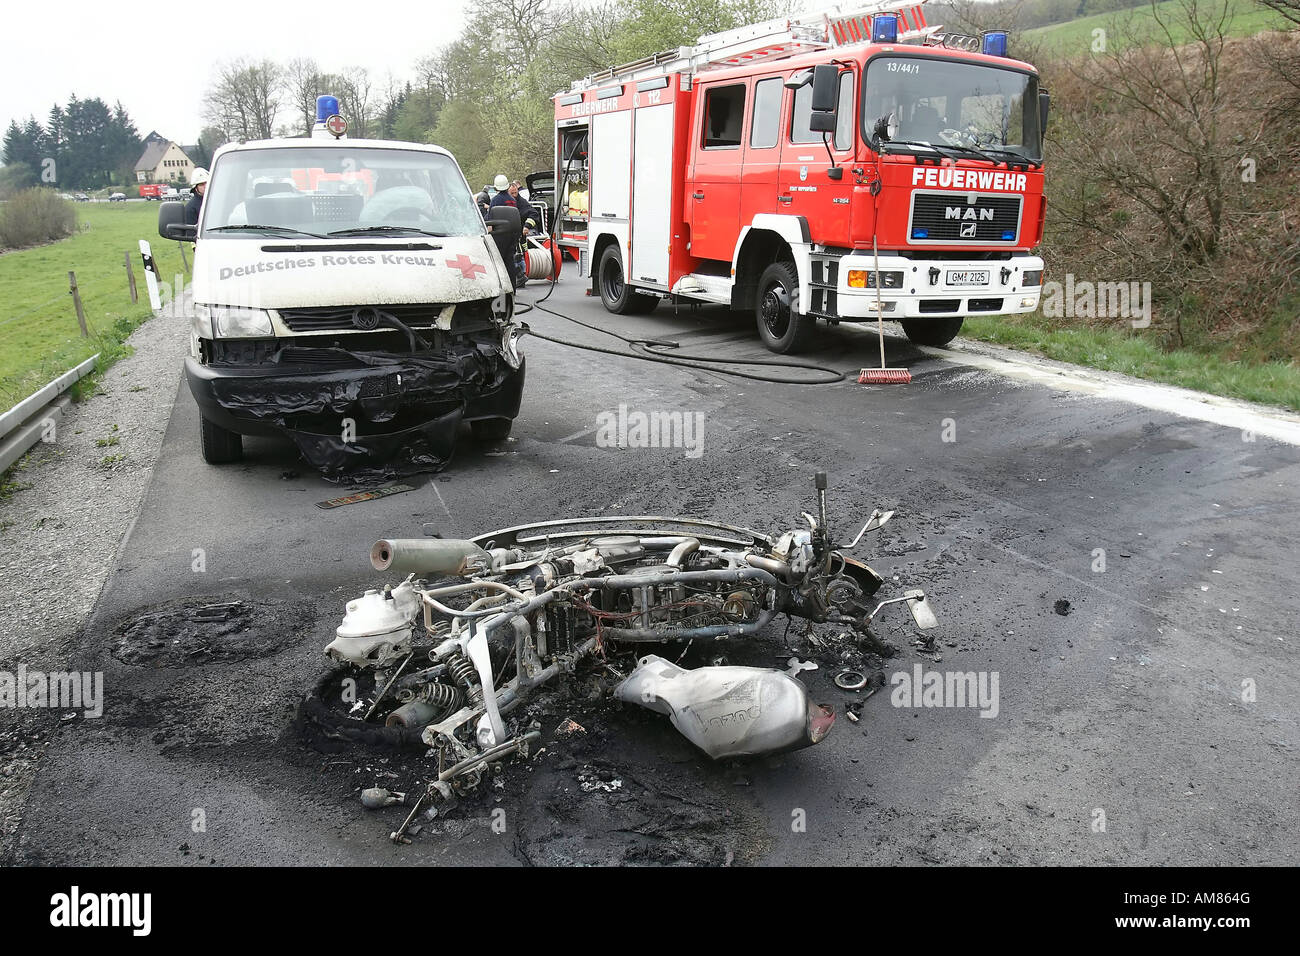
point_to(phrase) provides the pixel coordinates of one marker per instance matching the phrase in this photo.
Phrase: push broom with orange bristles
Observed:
(882, 375)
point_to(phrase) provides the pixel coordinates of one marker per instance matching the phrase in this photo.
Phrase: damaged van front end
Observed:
(349, 297)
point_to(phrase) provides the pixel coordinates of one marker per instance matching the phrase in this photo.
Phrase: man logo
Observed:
(968, 230)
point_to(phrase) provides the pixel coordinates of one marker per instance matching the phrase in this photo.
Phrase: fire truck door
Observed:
(651, 187)
(804, 187)
(611, 156)
(713, 197)
(762, 151)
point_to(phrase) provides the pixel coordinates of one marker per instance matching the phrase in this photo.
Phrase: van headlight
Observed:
(233, 321)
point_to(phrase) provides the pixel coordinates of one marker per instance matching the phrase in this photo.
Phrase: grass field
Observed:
(1120, 350)
(1245, 18)
(39, 335)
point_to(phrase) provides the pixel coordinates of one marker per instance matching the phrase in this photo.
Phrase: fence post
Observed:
(130, 278)
(184, 261)
(76, 300)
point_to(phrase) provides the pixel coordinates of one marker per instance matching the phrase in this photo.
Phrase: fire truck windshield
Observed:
(950, 104)
(335, 189)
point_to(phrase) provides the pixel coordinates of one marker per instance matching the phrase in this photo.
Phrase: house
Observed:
(162, 162)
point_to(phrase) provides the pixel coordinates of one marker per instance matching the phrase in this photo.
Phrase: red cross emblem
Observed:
(469, 269)
(337, 125)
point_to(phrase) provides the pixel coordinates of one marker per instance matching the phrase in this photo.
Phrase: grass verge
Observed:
(1131, 353)
(39, 335)
(1245, 18)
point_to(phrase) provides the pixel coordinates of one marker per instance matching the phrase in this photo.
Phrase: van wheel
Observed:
(615, 294)
(491, 429)
(783, 329)
(220, 445)
(934, 332)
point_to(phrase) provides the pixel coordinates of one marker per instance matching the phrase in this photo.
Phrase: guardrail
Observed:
(23, 425)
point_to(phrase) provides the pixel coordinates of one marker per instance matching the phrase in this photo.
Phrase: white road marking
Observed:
(433, 483)
(576, 435)
(1257, 420)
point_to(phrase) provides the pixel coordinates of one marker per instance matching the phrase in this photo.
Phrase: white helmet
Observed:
(501, 184)
(200, 175)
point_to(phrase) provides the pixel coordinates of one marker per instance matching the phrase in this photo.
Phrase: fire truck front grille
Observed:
(951, 217)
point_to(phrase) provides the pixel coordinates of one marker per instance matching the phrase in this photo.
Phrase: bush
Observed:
(34, 216)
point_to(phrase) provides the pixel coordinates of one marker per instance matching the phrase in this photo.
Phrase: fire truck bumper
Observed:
(924, 288)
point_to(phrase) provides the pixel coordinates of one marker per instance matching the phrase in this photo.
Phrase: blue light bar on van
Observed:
(326, 106)
(995, 43)
(884, 28)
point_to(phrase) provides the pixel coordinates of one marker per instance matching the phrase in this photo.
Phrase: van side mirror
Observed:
(172, 225)
(504, 221)
(1044, 104)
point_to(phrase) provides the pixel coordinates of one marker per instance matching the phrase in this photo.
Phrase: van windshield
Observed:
(333, 190)
(948, 103)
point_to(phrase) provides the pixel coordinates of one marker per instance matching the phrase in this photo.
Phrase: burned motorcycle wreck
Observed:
(478, 626)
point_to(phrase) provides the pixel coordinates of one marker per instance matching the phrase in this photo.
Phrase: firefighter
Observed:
(508, 195)
(198, 186)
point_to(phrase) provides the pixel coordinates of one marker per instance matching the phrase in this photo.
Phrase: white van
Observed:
(347, 294)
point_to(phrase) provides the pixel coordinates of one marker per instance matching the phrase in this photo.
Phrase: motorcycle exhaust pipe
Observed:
(429, 556)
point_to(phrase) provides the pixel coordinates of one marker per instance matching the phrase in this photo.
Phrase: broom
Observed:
(882, 375)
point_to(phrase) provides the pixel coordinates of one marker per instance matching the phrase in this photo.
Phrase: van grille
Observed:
(340, 318)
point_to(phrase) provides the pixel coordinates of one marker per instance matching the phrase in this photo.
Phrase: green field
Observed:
(39, 335)
(1245, 18)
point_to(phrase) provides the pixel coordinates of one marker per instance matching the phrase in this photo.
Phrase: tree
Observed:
(302, 84)
(245, 100)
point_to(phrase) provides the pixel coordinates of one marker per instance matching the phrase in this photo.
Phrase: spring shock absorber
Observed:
(462, 671)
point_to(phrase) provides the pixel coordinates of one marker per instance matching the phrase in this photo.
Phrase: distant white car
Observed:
(117, 197)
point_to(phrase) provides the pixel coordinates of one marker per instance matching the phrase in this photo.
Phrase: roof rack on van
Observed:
(771, 40)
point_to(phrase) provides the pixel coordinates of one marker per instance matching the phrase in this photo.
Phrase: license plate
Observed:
(968, 277)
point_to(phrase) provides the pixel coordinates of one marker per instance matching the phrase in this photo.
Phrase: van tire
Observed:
(615, 294)
(491, 429)
(781, 326)
(933, 332)
(220, 445)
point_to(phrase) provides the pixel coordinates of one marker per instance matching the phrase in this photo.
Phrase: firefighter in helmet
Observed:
(198, 186)
(508, 195)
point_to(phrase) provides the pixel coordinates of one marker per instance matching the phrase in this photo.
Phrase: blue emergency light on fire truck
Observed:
(790, 167)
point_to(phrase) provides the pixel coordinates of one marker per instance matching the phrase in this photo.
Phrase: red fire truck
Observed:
(791, 167)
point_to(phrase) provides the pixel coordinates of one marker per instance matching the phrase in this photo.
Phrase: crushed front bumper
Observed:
(357, 413)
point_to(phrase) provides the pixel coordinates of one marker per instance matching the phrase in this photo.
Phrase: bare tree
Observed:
(245, 99)
(302, 84)
(356, 100)
(1288, 8)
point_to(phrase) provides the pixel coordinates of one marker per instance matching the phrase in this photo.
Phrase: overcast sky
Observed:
(159, 65)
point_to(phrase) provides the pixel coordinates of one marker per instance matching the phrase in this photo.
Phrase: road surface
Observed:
(1126, 572)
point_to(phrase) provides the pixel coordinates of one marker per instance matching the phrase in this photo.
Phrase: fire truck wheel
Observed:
(615, 294)
(934, 332)
(780, 325)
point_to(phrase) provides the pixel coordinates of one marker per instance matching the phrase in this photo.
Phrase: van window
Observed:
(801, 115)
(724, 116)
(765, 127)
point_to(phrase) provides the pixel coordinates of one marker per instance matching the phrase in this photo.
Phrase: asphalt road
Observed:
(1124, 732)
